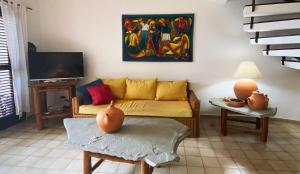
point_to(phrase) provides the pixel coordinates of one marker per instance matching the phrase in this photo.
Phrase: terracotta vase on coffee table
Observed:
(111, 119)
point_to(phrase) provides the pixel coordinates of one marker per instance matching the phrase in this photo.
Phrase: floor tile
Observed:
(218, 145)
(211, 170)
(190, 143)
(29, 161)
(204, 144)
(243, 163)
(266, 172)
(250, 154)
(246, 171)
(60, 163)
(195, 170)
(237, 153)
(125, 168)
(227, 163)
(284, 156)
(278, 165)
(222, 153)
(161, 170)
(75, 165)
(194, 161)
(261, 165)
(210, 162)
(178, 170)
(232, 171)
(108, 166)
(207, 152)
(190, 151)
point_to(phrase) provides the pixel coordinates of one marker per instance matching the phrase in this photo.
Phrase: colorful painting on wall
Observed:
(158, 38)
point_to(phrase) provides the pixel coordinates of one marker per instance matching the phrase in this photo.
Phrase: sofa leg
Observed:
(195, 128)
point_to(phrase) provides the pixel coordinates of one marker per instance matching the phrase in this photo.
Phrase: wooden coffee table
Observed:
(261, 118)
(150, 142)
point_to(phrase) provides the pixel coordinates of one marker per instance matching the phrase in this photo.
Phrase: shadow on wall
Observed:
(280, 95)
(217, 90)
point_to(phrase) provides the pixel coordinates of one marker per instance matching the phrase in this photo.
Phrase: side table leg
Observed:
(258, 123)
(224, 121)
(264, 129)
(38, 108)
(87, 163)
(145, 168)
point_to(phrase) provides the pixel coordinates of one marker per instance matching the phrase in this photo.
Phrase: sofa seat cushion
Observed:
(145, 108)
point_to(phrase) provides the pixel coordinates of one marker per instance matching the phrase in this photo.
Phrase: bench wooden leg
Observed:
(224, 121)
(264, 129)
(87, 163)
(145, 168)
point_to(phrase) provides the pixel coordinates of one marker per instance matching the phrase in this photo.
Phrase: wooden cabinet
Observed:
(40, 101)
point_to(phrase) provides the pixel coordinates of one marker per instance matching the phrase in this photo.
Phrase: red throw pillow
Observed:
(101, 94)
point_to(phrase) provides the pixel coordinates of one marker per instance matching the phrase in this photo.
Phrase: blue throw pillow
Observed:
(83, 92)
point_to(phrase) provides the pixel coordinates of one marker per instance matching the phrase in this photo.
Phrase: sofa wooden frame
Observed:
(192, 122)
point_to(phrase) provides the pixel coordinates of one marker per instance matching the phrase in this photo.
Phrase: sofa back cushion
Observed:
(117, 86)
(140, 89)
(83, 93)
(101, 94)
(170, 91)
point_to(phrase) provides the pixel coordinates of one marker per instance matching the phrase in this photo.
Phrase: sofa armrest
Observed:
(194, 102)
(195, 105)
(75, 105)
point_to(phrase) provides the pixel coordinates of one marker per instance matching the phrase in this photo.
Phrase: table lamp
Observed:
(246, 72)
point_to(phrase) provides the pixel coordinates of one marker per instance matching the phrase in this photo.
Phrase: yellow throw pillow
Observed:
(117, 86)
(170, 91)
(140, 89)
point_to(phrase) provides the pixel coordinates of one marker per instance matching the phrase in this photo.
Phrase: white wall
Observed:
(220, 44)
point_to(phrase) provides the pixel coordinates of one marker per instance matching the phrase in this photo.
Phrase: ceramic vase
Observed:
(111, 119)
(258, 101)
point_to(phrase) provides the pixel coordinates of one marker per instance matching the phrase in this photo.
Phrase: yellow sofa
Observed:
(149, 98)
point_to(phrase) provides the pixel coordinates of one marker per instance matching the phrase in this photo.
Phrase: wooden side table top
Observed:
(245, 110)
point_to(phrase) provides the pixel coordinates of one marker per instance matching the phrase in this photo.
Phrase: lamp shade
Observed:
(247, 70)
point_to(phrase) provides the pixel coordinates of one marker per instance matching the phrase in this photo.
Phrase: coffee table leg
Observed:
(264, 129)
(145, 168)
(224, 121)
(87, 163)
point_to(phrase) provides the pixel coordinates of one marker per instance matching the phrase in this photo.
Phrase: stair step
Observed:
(276, 40)
(273, 25)
(294, 65)
(283, 52)
(272, 9)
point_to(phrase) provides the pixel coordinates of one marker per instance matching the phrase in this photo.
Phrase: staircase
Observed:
(277, 26)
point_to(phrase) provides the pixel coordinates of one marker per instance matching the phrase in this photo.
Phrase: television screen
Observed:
(55, 65)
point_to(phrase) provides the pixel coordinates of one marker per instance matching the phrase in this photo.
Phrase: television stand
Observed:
(40, 100)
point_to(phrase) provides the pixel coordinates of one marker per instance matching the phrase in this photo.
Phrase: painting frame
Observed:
(175, 46)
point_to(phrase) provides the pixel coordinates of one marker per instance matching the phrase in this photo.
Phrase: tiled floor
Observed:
(23, 149)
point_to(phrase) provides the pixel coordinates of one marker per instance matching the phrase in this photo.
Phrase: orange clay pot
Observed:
(258, 101)
(236, 102)
(111, 119)
(243, 88)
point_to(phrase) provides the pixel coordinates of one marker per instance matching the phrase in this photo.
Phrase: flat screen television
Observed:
(55, 65)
